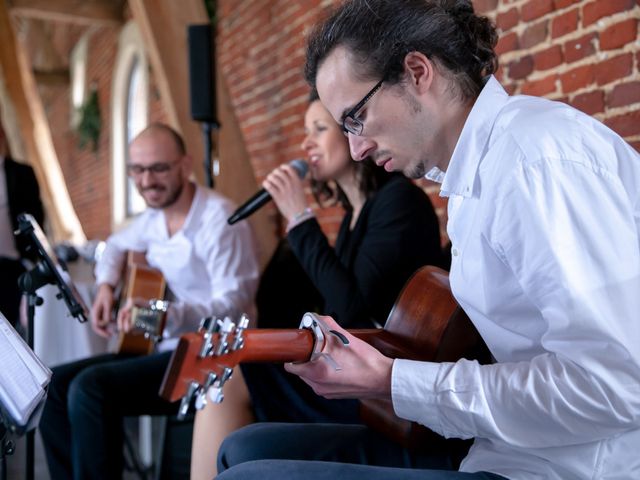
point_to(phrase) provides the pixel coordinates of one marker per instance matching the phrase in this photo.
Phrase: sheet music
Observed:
(23, 377)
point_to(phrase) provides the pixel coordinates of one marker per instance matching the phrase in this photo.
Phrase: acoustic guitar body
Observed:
(142, 282)
(425, 324)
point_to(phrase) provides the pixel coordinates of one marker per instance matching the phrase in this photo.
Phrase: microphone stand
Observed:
(29, 282)
(207, 129)
(6, 448)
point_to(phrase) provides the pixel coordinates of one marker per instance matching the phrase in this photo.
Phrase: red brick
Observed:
(535, 9)
(619, 34)
(614, 68)
(564, 23)
(542, 87)
(534, 34)
(507, 43)
(577, 78)
(625, 125)
(579, 48)
(485, 6)
(558, 4)
(549, 58)
(624, 94)
(507, 20)
(521, 68)
(589, 102)
(594, 11)
(510, 88)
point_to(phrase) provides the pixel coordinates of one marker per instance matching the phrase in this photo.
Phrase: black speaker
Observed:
(202, 73)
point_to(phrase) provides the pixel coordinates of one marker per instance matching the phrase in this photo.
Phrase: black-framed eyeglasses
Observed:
(351, 123)
(160, 168)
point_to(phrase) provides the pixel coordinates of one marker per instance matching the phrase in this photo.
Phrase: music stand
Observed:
(6, 448)
(48, 270)
(23, 386)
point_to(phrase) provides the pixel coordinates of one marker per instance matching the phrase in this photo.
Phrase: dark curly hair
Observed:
(380, 33)
(370, 178)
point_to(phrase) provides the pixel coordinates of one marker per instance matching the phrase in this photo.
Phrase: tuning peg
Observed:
(208, 326)
(225, 328)
(238, 340)
(204, 323)
(201, 399)
(227, 373)
(186, 400)
(216, 395)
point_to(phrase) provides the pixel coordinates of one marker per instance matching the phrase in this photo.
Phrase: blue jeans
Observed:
(270, 451)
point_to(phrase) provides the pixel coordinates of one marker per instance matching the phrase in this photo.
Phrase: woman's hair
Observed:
(370, 178)
(378, 34)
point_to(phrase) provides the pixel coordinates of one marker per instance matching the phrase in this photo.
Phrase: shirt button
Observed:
(454, 252)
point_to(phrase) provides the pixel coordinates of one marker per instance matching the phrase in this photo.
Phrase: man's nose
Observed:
(361, 147)
(146, 178)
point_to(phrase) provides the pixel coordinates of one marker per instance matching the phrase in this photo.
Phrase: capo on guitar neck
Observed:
(312, 322)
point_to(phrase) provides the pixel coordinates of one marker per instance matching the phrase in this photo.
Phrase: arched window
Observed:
(130, 115)
(78, 69)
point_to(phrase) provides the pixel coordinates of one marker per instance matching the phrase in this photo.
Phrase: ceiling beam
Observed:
(36, 134)
(52, 78)
(82, 12)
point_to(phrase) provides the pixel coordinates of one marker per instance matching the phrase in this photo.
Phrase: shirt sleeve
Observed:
(109, 267)
(568, 234)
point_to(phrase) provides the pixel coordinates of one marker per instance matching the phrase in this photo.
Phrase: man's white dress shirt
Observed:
(544, 219)
(210, 267)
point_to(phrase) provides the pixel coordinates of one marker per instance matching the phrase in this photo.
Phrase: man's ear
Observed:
(187, 164)
(419, 70)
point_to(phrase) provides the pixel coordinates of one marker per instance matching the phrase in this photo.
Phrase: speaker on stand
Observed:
(202, 87)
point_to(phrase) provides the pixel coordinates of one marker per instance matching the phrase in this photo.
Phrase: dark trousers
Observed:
(10, 294)
(271, 451)
(82, 421)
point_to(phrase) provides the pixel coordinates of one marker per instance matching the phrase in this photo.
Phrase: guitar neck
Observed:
(259, 345)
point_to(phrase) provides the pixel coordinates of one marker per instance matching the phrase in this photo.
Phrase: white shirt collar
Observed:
(460, 176)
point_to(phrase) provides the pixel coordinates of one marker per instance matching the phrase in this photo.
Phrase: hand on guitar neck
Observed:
(364, 371)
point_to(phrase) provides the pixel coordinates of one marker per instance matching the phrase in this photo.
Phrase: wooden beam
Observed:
(52, 78)
(36, 135)
(83, 12)
(163, 24)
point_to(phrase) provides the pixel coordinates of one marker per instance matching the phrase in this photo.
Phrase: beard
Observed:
(172, 195)
(416, 171)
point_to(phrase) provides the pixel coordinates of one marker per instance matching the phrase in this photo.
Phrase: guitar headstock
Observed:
(203, 362)
(148, 319)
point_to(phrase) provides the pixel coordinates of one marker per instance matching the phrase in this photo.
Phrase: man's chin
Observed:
(155, 202)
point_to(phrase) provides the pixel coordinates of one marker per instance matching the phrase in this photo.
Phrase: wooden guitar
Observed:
(425, 323)
(146, 284)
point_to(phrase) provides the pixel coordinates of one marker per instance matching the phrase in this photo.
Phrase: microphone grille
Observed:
(300, 166)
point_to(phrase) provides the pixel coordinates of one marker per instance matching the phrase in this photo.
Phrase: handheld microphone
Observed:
(262, 196)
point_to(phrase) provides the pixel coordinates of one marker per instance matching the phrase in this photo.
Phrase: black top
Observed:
(397, 232)
(24, 196)
(357, 283)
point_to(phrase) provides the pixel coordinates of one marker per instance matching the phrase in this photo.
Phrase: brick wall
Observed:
(584, 52)
(88, 173)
